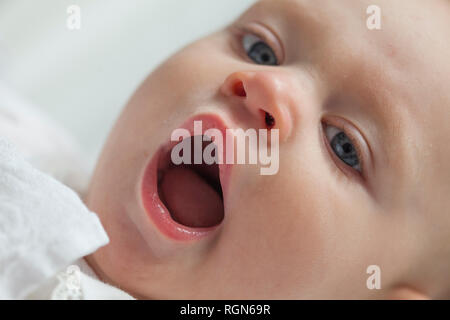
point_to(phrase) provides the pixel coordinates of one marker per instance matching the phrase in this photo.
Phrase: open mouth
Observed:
(186, 200)
(191, 191)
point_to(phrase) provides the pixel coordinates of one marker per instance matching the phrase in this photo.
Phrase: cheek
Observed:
(169, 95)
(194, 74)
(280, 225)
(173, 92)
(304, 228)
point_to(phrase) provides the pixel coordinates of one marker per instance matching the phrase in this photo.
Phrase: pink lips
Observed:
(155, 208)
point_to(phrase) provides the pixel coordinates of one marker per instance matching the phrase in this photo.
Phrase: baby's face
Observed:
(363, 173)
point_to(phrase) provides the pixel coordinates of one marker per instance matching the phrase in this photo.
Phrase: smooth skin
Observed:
(311, 230)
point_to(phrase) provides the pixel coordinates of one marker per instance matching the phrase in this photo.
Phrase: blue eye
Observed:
(343, 147)
(258, 50)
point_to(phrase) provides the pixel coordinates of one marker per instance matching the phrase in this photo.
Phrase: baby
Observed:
(364, 172)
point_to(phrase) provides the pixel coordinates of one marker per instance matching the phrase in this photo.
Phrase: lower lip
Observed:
(157, 211)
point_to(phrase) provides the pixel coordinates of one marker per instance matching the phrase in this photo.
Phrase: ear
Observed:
(407, 293)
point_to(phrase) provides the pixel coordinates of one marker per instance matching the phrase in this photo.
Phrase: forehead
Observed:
(413, 38)
(409, 28)
(403, 69)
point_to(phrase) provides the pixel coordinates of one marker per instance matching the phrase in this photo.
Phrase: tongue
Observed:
(190, 199)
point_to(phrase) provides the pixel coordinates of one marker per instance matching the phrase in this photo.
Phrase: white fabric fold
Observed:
(44, 226)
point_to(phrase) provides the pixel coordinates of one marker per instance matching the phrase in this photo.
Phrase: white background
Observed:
(83, 78)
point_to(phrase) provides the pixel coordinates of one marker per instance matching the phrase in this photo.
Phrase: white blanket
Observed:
(44, 226)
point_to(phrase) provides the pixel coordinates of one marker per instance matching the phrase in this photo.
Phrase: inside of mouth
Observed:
(191, 192)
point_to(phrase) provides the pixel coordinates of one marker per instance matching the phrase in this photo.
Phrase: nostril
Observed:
(269, 120)
(239, 90)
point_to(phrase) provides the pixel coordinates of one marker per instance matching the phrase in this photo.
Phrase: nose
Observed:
(266, 95)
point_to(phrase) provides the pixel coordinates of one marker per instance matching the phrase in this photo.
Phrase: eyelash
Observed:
(340, 164)
(241, 32)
